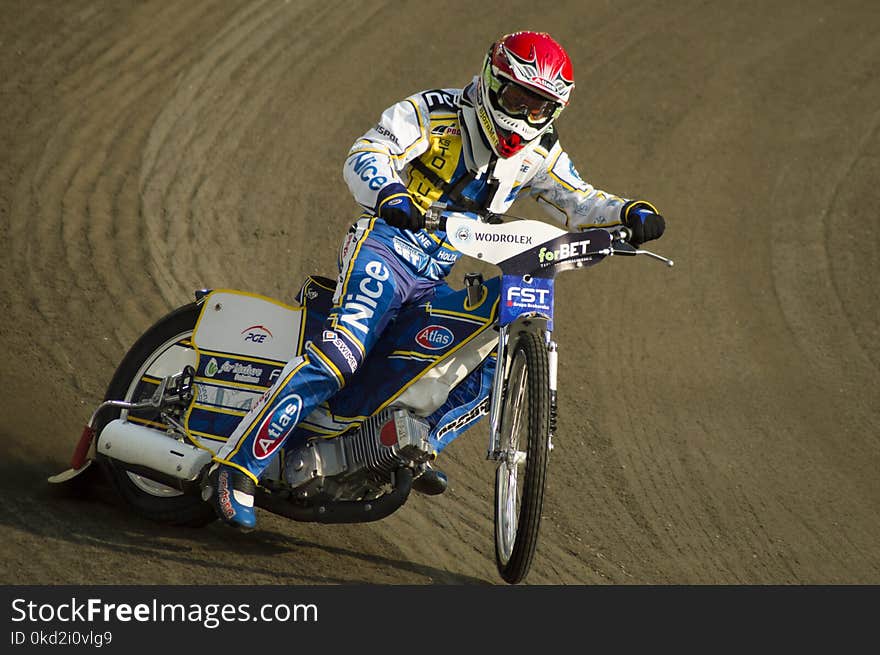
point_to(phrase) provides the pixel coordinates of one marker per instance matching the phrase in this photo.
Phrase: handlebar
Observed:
(435, 219)
(436, 214)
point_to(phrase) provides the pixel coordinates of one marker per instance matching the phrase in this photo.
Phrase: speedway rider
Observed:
(477, 148)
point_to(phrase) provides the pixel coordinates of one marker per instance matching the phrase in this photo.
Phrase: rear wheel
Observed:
(164, 349)
(521, 473)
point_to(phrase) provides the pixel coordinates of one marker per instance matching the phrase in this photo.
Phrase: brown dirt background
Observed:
(720, 421)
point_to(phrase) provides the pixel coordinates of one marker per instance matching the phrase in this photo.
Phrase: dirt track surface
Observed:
(720, 421)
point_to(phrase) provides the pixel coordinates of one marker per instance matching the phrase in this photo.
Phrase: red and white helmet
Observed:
(525, 84)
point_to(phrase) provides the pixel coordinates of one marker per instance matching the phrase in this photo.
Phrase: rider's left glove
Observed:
(644, 221)
(395, 207)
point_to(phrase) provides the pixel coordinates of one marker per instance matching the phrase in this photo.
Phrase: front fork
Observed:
(496, 406)
(552, 358)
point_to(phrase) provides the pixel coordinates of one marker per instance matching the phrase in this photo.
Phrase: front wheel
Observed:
(164, 349)
(521, 474)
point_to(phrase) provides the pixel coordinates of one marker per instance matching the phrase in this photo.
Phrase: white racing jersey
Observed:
(432, 144)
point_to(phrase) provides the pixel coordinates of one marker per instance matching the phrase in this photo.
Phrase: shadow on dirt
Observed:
(94, 517)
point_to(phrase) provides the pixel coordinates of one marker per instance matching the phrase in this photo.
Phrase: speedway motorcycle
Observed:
(185, 384)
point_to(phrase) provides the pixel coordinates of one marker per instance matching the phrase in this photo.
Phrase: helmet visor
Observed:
(518, 101)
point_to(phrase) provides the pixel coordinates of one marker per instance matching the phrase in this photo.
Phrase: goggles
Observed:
(517, 100)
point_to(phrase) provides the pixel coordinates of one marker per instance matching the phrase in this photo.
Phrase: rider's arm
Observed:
(372, 167)
(570, 200)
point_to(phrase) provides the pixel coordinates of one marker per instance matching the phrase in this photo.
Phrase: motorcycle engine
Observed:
(359, 464)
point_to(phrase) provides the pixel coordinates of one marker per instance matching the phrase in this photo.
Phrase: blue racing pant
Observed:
(373, 285)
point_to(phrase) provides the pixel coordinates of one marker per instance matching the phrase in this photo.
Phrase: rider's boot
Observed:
(432, 482)
(231, 494)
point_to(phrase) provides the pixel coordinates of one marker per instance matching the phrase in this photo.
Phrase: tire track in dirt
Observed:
(850, 235)
(95, 137)
(202, 111)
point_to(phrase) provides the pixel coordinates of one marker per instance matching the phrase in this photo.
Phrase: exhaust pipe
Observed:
(145, 447)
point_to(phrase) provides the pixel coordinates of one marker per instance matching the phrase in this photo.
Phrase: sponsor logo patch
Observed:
(565, 251)
(488, 128)
(242, 372)
(332, 337)
(435, 337)
(523, 295)
(366, 166)
(423, 239)
(277, 426)
(223, 493)
(257, 333)
(528, 297)
(361, 305)
(462, 421)
(211, 368)
(238, 372)
(439, 99)
(495, 237)
(384, 131)
(445, 130)
(349, 241)
(410, 253)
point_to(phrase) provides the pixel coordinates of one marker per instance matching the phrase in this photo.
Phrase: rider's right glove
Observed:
(643, 220)
(395, 207)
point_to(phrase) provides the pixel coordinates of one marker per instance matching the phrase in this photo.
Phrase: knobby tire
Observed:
(537, 372)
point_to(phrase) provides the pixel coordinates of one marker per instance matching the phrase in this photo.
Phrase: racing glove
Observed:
(395, 207)
(643, 220)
